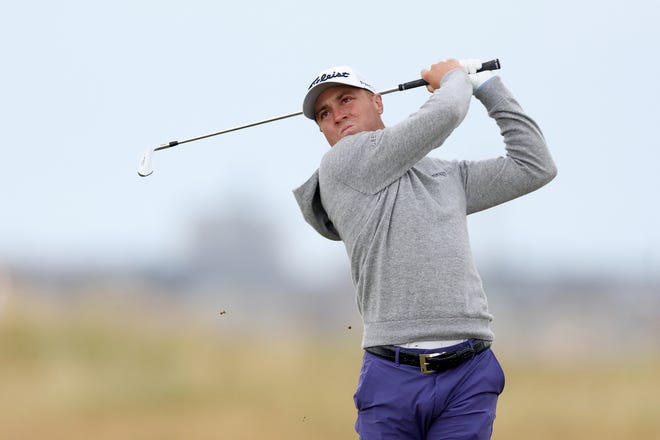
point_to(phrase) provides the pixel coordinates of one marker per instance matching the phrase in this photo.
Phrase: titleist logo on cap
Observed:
(326, 77)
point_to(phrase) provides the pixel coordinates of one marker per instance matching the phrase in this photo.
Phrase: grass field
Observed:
(109, 370)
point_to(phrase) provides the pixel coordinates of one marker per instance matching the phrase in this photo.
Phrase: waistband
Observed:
(430, 361)
(431, 345)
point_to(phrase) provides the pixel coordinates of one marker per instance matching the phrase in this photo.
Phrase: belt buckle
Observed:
(423, 362)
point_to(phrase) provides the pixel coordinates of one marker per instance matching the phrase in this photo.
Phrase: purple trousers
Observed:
(396, 401)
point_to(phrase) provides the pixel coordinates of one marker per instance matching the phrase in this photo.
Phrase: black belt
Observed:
(431, 362)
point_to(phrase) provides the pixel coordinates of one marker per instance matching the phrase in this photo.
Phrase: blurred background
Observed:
(193, 303)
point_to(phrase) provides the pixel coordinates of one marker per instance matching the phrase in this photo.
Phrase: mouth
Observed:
(345, 129)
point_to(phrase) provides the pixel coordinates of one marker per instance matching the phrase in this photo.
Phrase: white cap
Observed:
(340, 75)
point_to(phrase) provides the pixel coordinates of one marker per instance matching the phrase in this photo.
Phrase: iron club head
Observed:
(144, 166)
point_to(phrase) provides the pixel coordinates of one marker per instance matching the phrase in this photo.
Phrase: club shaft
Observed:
(227, 130)
(487, 65)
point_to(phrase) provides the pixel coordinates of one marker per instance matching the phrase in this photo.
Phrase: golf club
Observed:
(145, 167)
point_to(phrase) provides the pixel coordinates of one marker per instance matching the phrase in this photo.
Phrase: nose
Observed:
(339, 115)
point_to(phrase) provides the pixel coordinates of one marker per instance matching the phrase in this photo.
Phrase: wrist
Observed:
(479, 79)
(491, 93)
(450, 73)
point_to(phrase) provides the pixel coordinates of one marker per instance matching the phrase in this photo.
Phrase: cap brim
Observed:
(310, 99)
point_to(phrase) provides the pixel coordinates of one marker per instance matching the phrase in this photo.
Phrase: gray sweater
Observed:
(402, 215)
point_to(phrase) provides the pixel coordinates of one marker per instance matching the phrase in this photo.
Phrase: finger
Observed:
(424, 74)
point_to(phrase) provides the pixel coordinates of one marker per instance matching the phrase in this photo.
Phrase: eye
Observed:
(347, 99)
(322, 115)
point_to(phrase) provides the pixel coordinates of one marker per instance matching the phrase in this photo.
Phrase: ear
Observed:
(378, 101)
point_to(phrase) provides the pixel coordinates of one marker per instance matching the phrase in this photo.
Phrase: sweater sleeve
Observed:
(370, 161)
(527, 164)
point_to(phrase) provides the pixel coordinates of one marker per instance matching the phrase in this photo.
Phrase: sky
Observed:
(88, 86)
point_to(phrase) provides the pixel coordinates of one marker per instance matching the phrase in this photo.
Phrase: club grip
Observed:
(490, 65)
(486, 65)
(412, 84)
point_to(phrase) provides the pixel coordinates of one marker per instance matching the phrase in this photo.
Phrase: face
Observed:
(344, 110)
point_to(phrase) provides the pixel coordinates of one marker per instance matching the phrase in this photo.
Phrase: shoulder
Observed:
(350, 151)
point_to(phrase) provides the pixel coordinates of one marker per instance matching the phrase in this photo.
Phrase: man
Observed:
(428, 371)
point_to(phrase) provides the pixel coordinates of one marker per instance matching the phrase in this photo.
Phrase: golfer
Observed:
(428, 371)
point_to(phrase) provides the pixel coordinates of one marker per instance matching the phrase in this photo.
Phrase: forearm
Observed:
(528, 164)
(428, 128)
